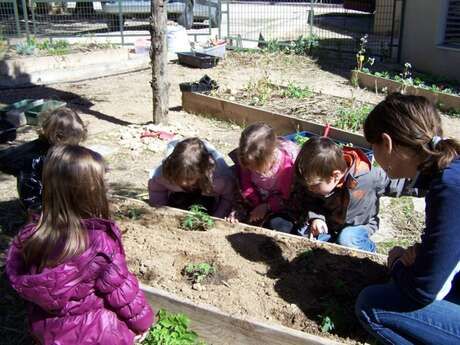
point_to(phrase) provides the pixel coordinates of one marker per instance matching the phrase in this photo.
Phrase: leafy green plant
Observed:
(55, 47)
(26, 48)
(294, 91)
(171, 329)
(352, 118)
(198, 273)
(303, 45)
(326, 324)
(197, 219)
(260, 91)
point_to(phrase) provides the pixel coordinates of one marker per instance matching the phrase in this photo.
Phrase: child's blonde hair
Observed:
(190, 160)
(318, 159)
(412, 122)
(257, 146)
(73, 190)
(63, 126)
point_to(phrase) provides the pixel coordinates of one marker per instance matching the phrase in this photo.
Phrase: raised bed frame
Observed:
(244, 115)
(218, 328)
(211, 324)
(442, 100)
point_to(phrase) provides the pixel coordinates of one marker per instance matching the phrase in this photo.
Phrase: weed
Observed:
(260, 91)
(198, 273)
(303, 45)
(171, 329)
(361, 58)
(197, 219)
(294, 91)
(352, 118)
(334, 316)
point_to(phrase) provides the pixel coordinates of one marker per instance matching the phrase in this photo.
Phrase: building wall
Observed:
(422, 41)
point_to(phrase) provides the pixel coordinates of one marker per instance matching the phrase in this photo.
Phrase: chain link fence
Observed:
(329, 24)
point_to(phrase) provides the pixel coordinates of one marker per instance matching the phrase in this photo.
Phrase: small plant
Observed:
(171, 329)
(361, 58)
(56, 47)
(26, 48)
(352, 118)
(198, 273)
(294, 91)
(260, 91)
(326, 324)
(197, 220)
(303, 45)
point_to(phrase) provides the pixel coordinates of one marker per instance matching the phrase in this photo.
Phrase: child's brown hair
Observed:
(414, 123)
(73, 190)
(63, 126)
(190, 160)
(257, 146)
(318, 159)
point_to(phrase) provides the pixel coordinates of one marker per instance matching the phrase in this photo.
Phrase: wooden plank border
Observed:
(244, 115)
(373, 83)
(218, 328)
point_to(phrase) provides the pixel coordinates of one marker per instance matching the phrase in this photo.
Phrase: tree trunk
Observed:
(159, 57)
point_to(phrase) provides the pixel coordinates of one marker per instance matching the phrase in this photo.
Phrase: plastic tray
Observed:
(369, 153)
(33, 114)
(197, 60)
(7, 131)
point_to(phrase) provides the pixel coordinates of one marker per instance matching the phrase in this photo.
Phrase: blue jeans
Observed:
(280, 224)
(356, 237)
(393, 318)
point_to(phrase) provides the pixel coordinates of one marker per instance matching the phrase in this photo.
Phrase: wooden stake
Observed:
(159, 60)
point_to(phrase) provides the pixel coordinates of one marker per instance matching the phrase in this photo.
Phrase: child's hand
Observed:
(318, 226)
(231, 218)
(395, 254)
(258, 213)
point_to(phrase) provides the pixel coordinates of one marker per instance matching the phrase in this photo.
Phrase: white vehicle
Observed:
(185, 12)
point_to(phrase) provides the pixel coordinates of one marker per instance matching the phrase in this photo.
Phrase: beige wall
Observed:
(423, 34)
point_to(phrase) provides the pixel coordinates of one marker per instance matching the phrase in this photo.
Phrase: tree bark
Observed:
(159, 57)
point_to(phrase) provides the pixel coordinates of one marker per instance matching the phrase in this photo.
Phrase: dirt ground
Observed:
(259, 274)
(117, 110)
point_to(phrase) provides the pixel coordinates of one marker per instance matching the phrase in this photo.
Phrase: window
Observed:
(452, 34)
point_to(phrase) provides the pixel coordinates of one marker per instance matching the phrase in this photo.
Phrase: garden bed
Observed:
(445, 101)
(259, 274)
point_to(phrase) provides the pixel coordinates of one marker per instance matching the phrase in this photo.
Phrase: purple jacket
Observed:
(90, 299)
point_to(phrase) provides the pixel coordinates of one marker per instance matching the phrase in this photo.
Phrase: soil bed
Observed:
(259, 273)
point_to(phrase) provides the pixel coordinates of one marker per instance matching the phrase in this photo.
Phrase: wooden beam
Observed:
(218, 328)
(244, 115)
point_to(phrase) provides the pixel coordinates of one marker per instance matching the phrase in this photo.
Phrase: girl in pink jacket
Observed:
(265, 165)
(71, 265)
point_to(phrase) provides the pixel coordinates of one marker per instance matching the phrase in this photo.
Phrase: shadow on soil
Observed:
(10, 94)
(322, 284)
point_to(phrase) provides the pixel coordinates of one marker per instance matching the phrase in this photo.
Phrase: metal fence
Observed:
(332, 24)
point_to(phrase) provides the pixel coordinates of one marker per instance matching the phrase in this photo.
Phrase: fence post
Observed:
(34, 25)
(312, 14)
(120, 20)
(228, 18)
(401, 28)
(16, 17)
(26, 20)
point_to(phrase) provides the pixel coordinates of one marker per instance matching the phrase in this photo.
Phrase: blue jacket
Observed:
(435, 272)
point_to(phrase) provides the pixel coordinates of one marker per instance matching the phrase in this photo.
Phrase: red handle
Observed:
(327, 129)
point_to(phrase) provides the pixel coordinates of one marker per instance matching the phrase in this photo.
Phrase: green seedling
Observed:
(26, 48)
(294, 91)
(55, 47)
(197, 219)
(326, 324)
(171, 329)
(198, 273)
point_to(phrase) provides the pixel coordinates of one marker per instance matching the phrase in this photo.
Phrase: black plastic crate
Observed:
(7, 131)
(197, 60)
